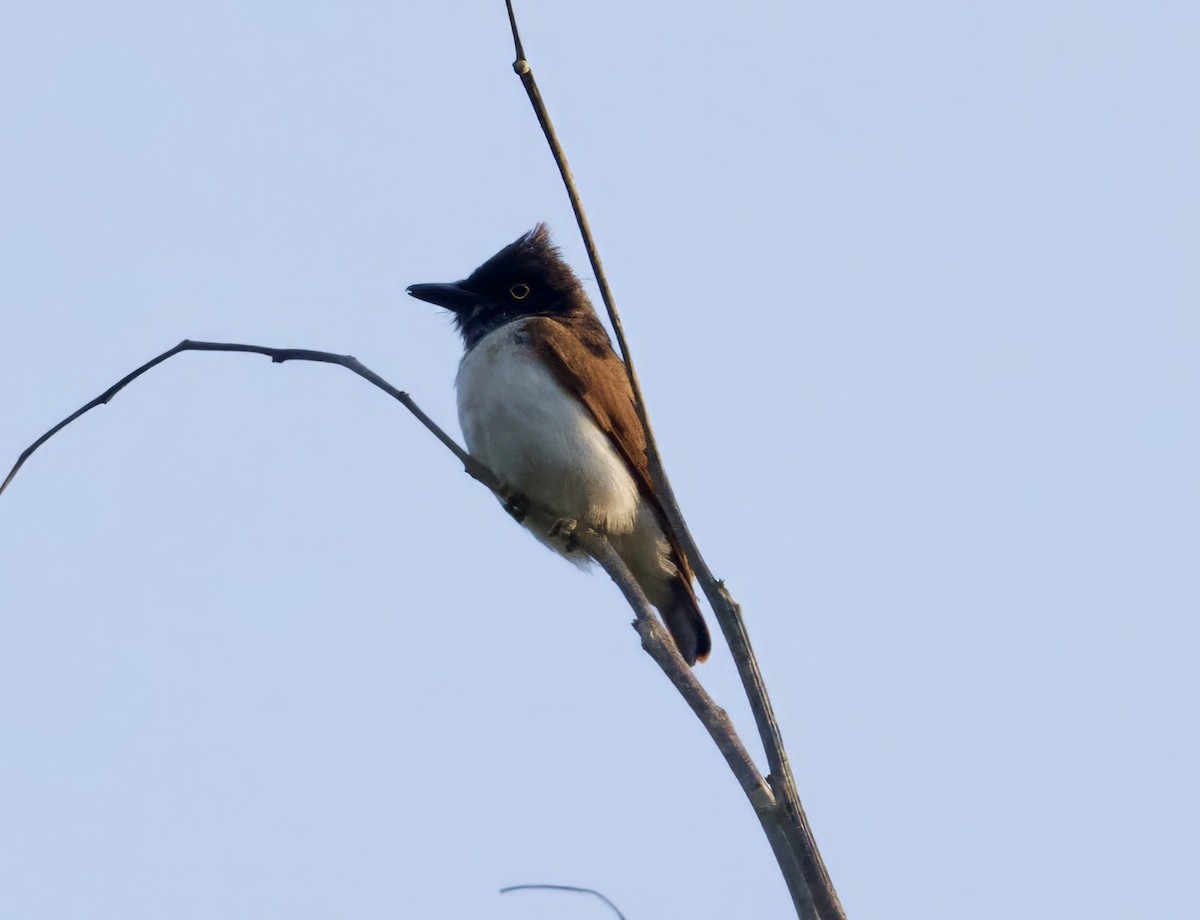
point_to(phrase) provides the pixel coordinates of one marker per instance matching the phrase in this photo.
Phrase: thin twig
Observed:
(793, 820)
(473, 467)
(615, 910)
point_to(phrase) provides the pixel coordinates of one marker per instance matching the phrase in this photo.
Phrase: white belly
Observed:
(539, 440)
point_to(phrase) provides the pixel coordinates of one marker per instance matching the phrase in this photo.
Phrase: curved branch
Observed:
(654, 636)
(473, 467)
(655, 639)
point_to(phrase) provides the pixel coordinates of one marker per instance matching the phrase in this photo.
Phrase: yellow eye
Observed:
(519, 291)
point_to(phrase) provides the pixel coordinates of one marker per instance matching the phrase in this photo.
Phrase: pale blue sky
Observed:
(915, 294)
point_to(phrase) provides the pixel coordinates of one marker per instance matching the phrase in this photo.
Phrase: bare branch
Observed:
(620, 915)
(659, 646)
(793, 821)
(473, 467)
(657, 642)
(654, 636)
(775, 800)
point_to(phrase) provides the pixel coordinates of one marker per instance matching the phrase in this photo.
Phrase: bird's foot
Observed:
(564, 529)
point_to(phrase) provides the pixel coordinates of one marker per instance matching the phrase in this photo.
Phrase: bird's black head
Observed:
(526, 278)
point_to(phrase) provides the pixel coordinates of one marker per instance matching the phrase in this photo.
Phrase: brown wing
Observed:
(577, 350)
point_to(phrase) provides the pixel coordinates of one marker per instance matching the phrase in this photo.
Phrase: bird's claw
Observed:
(564, 529)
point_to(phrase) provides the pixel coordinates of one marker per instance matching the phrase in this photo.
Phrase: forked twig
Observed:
(775, 799)
(654, 637)
(793, 823)
(657, 642)
(720, 728)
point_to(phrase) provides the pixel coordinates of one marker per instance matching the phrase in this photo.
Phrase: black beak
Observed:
(450, 296)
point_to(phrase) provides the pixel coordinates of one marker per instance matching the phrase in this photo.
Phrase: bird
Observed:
(545, 403)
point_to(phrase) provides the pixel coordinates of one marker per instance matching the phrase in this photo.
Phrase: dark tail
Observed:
(686, 623)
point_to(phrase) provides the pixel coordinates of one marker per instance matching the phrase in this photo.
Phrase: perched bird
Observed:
(545, 404)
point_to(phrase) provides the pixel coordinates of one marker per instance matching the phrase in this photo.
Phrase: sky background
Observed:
(915, 294)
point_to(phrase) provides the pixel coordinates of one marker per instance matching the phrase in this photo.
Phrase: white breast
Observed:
(537, 438)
